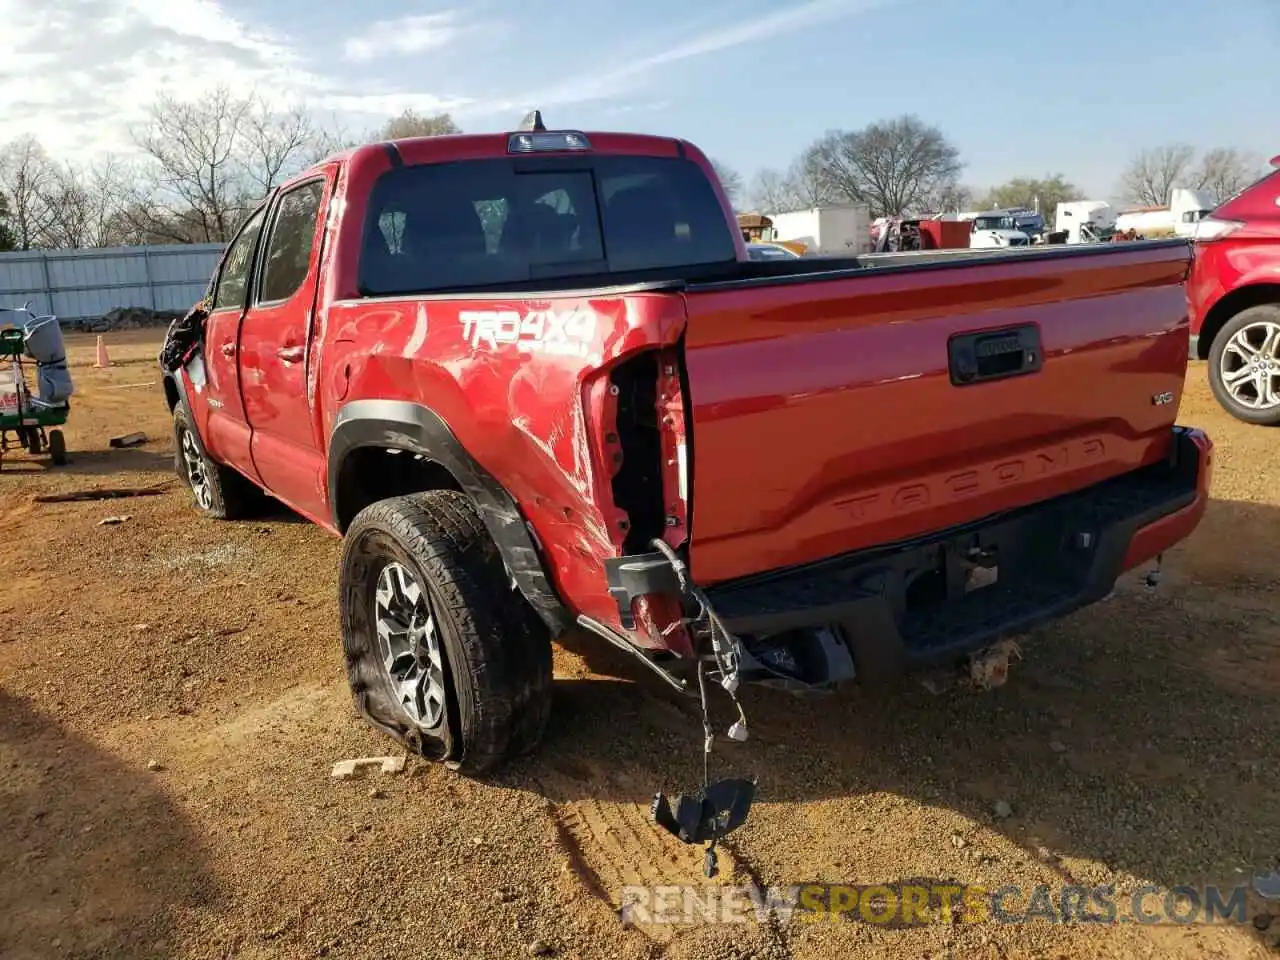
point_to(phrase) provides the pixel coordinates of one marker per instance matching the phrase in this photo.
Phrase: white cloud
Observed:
(402, 36)
(80, 74)
(82, 71)
(635, 71)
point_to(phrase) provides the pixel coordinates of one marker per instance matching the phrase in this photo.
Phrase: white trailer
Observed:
(1083, 220)
(836, 230)
(1186, 208)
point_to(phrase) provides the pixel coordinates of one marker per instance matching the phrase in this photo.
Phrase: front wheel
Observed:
(1244, 365)
(219, 491)
(441, 652)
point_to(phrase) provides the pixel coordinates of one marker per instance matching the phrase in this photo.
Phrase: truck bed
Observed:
(798, 270)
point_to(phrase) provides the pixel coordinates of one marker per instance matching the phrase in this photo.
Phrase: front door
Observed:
(275, 354)
(220, 411)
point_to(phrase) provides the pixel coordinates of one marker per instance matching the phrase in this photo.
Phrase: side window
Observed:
(290, 242)
(235, 270)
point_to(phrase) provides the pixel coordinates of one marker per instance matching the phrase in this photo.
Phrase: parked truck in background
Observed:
(536, 384)
(833, 230)
(1084, 221)
(992, 229)
(1186, 207)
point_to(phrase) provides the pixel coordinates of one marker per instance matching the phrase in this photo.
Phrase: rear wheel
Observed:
(441, 652)
(57, 448)
(1244, 365)
(219, 491)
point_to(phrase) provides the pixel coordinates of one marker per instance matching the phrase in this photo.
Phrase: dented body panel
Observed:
(524, 388)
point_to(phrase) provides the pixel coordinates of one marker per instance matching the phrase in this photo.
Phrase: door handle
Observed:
(290, 354)
(228, 349)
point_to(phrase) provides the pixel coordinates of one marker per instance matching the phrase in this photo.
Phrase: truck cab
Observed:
(995, 230)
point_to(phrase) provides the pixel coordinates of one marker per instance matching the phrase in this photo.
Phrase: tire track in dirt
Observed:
(612, 845)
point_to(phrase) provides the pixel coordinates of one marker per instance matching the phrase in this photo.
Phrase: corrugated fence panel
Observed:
(86, 284)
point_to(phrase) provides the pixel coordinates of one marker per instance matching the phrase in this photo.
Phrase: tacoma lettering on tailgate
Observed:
(949, 488)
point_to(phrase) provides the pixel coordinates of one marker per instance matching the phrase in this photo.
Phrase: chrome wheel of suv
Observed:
(1250, 365)
(1244, 365)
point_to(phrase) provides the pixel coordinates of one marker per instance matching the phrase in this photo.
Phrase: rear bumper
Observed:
(906, 606)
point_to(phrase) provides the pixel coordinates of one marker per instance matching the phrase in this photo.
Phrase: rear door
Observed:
(274, 340)
(224, 427)
(830, 416)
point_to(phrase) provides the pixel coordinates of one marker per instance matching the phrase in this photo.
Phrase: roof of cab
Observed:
(497, 143)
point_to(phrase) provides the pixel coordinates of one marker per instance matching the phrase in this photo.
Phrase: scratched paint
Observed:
(419, 332)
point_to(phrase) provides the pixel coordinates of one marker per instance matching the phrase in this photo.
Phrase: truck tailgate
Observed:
(830, 415)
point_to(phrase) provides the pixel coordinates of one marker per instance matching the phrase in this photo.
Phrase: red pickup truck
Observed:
(536, 383)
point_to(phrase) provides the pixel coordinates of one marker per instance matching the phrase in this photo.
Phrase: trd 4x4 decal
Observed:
(561, 332)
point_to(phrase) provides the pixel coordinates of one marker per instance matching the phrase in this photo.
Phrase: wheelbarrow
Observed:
(32, 420)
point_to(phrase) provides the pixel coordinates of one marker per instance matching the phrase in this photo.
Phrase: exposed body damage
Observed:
(537, 385)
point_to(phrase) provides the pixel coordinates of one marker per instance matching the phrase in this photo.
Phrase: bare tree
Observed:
(275, 143)
(332, 138)
(946, 198)
(809, 184)
(771, 192)
(7, 241)
(730, 180)
(1152, 174)
(211, 159)
(84, 202)
(27, 179)
(892, 165)
(410, 124)
(1225, 171)
(193, 148)
(205, 163)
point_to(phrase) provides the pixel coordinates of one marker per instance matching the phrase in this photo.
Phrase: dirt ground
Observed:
(172, 698)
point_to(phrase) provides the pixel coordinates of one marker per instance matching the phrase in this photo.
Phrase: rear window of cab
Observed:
(475, 223)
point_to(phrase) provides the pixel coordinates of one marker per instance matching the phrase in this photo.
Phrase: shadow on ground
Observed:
(93, 462)
(1141, 733)
(96, 859)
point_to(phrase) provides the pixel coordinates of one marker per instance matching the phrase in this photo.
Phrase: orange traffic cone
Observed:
(103, 360)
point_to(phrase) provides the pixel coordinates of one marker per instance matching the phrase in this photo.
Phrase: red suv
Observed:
(1234, 298)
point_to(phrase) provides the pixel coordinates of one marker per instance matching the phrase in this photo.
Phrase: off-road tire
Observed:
(1263, 312)
(231, 496)
(57, 448)
(496, 651)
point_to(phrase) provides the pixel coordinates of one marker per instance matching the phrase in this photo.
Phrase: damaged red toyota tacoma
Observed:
(537, 385)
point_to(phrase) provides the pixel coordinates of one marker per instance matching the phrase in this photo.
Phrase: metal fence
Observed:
(86, 284)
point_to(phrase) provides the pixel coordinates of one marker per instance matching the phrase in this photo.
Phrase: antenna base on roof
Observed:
(532, 122)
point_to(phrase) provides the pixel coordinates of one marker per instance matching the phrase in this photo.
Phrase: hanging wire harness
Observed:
(720, 807)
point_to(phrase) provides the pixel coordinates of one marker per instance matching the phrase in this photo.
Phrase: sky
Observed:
(1022, 87)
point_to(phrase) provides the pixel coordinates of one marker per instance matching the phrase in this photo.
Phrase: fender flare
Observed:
(181, 389)
(399, 424)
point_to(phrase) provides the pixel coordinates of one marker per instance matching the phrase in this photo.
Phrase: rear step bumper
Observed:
(915, 604)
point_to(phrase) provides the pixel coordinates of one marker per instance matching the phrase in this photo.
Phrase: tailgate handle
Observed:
(994, 354)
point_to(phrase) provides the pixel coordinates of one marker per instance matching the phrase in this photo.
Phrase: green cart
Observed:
(31, 421)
